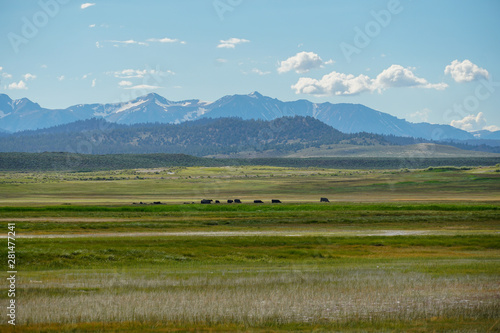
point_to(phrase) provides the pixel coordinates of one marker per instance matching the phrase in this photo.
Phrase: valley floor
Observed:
(394, 250)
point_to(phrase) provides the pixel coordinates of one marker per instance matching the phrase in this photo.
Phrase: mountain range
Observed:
(23, 114)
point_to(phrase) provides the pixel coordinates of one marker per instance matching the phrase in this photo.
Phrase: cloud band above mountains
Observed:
(338, 84)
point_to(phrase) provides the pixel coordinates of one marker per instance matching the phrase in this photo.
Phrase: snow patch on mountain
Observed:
(130, 105)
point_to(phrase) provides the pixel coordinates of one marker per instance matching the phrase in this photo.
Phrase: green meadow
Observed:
(394, 250)
(191, 184)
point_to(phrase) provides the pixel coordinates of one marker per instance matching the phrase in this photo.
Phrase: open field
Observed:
(188, 184)
(395, 250)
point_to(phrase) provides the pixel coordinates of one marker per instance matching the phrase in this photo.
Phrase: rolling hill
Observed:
(224, 137)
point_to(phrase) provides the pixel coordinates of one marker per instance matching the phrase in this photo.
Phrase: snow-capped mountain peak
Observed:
(152, 108)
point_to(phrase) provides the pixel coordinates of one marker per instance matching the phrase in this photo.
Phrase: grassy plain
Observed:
(395, 250)
(179, 184)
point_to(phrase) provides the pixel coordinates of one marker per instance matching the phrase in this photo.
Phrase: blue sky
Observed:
(434, 61)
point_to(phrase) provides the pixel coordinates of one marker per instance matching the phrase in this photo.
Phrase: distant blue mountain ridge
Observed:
(23, 114)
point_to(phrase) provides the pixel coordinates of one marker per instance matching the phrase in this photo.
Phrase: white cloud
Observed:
(98, 45)
(18, 85)
(470, 122)
(420, 116)
(86, 5)
(491, 128)
(60, 78)
(124, 83)
(5, 75)
(333, 84)
(93, 83)
(465, 71)
(258, 71)
(347, 84)
(44, 66)
(118, 43)
(302, 62)
(139, 73)
(144, 87)
(92, 26)
(398, 76)
(231, 43)
(164, 40)
(127, 42)
(221, 60)
(29, 76)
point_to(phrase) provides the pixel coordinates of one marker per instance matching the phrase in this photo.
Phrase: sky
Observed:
(432, 61)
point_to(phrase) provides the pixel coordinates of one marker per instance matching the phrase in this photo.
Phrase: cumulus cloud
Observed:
(231, 43)
(491, 128)
(29, 76)
(302, 62)
(398, 76)
(124, 83)
(60, 78)
(333, 84)
(92, 26)
(93, 83)
(465, 71)
(87, 5)
(470, 122)
(144, 87)
(347, 84)
(18, 85)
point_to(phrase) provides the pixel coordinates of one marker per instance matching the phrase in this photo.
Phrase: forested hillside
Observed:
(200, 138)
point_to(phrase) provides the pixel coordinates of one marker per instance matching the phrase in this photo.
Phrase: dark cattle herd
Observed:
(257, 201)
(229, 201)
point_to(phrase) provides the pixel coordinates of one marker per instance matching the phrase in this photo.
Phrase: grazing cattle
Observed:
(229, 201)
(258, 201)
(237, 201)
(157, 203)
(275, 201)
(206, 201)
(324, 200)
(217, 201)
